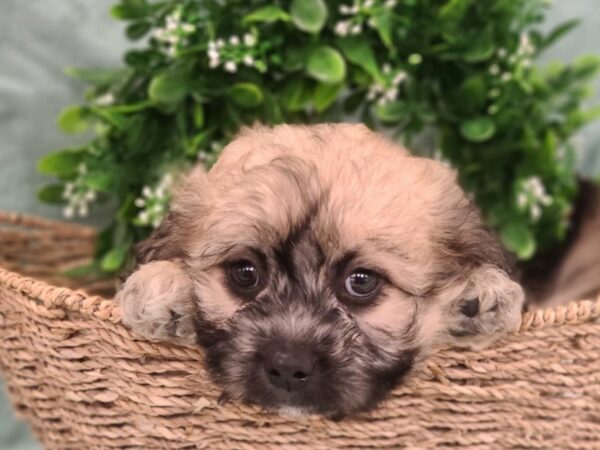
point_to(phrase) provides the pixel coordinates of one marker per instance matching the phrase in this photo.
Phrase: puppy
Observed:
(316, 264)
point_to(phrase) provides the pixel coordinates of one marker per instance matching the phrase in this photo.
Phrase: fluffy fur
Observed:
(309, 204)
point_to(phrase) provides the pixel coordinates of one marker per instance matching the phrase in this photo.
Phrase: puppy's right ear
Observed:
(163, 243)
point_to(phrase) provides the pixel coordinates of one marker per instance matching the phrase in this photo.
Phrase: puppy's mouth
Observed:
(295, 378)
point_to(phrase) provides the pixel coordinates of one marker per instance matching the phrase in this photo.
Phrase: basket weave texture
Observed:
(82, 380)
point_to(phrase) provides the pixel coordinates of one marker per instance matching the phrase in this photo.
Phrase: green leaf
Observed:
(295, 58)
(558, 32)
(518, 238)
(292, 94)
(585, 67)
(53, 193)
(472, 95)
(479, 129)
(198, 141)
(358, 51)
(100, 181)
(74, 119)
(481, 49)
(391, 112)
(309, 15)
(137, 30)
(169, 87)
(111, 115)
(325, 95)
(454, 10)
(325, 64)
(124, 109)
(114, 259)
(267, 14)
(384, 25)
(130, 9)
(62, 163)
(246, 95)
(98, 77)
(198, 114)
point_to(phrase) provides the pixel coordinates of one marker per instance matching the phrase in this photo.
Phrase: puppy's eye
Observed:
(243, 274)
(362, 284)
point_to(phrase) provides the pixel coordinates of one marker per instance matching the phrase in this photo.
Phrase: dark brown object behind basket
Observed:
(84, 381)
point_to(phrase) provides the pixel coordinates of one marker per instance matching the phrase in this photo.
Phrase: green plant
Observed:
(461, 69)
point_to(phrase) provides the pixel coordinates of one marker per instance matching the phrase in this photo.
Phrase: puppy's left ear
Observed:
(489, 307)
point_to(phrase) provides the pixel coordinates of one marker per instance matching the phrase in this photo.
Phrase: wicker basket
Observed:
(84, 381)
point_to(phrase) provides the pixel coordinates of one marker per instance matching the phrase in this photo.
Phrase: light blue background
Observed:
(38, 38)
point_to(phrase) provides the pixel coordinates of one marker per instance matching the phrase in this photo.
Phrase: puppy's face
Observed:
(325, 260)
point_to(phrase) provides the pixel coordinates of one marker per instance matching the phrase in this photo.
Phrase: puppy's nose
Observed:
(289, 367)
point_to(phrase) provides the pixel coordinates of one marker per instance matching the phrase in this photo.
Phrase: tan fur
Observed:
(152, 296)
(397, 208)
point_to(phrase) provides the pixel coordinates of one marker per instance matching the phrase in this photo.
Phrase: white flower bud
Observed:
(399, 78)
(342, 28)
(234, 40)
(356, 29)
(68, 190)
(391, 94)
(494, 69)
(248, 60)
(382, 101)
(139, 202)
(249, 40)
(188, 28)
(230, 66)
(105, 100)
(83, 210)
(494, 92)
(522, 200)
(147, 192)
(68, 212)
(492, 109)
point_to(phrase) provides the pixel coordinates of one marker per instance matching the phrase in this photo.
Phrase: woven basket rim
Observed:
(29, 220)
